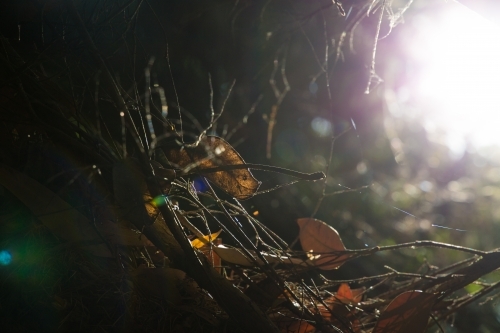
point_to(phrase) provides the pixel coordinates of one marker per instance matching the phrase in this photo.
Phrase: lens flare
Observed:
(159, 201)
(5, 258)
(457, 81)
(321, 127)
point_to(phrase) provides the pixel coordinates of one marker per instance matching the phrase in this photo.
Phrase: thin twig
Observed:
(245, 118)
(214, 118)
(327, 171)
(279, 95)
(301, 175)
(346, 191)
(374, 50)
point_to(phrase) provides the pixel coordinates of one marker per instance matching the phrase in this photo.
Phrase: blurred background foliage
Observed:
(407, 181)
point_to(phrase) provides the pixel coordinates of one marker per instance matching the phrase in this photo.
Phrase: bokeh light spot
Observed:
(5, 258)
(426, 186)
(199, 185)
(361, 168)
(313, 87)
(159, 201)
(321, 126)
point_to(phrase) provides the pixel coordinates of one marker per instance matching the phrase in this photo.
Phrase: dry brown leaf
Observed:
(62, 219)
(407, 313)
(347, 295)
(214, 152)
(344, 292)
(345, 316)
(322, 242)
(236, 256)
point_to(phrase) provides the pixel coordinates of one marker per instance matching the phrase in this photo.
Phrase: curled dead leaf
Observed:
(322, 243)
(213, 152)
(407, 313)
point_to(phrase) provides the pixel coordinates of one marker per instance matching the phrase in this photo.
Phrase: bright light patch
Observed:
(458, 76)
(219, 150)
(200, 185)
(321, 126)
(5, 258)
(313, 87)
(159, 201)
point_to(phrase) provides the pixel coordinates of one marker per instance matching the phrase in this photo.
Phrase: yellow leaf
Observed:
(200, 242)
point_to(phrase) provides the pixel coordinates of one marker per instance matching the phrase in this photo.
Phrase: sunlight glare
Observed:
(458, 79)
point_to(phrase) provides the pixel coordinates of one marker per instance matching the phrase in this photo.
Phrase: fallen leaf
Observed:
(347, 295)
(344, 292)
(345, 317)
(322, 242)
(63, 220)
(214, 152)
(205, 240)
(236, 256)
(407, 313)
